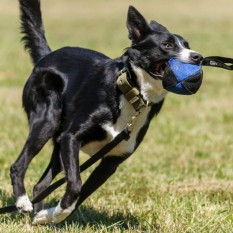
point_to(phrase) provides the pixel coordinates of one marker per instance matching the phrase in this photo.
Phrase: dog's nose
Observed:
(196, 57)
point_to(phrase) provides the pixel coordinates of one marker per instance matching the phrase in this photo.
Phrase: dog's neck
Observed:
(151, 89)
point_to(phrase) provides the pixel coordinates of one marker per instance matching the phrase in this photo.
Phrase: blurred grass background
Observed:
(180, 179)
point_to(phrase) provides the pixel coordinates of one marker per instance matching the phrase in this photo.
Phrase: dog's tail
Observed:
(33, 30)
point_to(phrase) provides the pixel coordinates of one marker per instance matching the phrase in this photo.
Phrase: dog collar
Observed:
(130, 91)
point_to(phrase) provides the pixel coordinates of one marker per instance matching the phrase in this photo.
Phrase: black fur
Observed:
(72, 93)
(33, 30)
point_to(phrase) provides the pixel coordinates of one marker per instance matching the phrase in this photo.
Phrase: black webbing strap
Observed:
(220, 62)
(124, 135)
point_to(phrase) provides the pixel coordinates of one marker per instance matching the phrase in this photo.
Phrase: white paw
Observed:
(44, 217)
(53, 215)
(23, 204)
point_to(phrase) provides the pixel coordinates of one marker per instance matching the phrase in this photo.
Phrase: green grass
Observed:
(180, 178)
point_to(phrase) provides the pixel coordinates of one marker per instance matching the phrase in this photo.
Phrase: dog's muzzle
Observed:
(182, 78)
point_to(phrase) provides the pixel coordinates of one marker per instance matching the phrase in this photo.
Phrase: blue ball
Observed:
(182, 78)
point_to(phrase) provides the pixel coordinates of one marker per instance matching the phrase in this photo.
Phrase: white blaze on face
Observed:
(185, 54)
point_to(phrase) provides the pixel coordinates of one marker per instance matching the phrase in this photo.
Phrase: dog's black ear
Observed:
(137, 25)
(157, 27)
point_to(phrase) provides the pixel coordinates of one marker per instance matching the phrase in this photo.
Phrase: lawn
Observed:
(181, 177)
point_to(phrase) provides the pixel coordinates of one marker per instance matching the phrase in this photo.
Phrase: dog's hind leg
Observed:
(50, 173)
(69, 153)
(44, 120)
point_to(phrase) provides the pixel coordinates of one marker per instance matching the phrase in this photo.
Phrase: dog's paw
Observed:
(23, 204)
(53, 215)
(44, 217)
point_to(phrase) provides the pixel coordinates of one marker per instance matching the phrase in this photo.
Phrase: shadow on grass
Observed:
(88, 216)
(84, 216)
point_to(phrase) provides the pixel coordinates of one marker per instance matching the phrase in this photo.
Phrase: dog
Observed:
(72, 97)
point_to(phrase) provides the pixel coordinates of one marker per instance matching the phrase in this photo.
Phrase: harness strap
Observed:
(216, 61)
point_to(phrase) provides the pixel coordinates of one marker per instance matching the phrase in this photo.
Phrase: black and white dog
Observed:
(72, 97)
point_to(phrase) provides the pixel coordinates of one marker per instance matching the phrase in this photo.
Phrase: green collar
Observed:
(130, 91)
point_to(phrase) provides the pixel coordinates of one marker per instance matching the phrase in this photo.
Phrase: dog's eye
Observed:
(186, 45)
(167, 45)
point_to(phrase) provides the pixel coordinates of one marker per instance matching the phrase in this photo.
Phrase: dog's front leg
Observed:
(102, 172)
(69, 151)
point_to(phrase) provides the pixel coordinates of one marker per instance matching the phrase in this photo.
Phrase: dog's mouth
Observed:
(160, 68)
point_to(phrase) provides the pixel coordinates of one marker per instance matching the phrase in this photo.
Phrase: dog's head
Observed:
(153, 46)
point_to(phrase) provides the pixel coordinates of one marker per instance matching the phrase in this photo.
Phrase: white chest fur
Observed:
(152, 91)
(127, 111)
